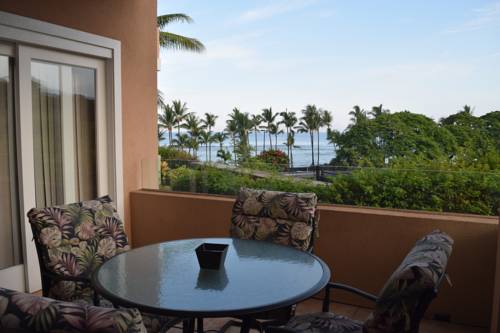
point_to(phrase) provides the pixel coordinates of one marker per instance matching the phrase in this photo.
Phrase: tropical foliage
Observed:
(461, 192)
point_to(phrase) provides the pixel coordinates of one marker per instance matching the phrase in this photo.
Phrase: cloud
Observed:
(269, 11)
(483, 17)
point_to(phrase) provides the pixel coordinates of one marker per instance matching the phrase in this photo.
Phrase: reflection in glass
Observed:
(212, 279)
(64, 133)
(10, 244)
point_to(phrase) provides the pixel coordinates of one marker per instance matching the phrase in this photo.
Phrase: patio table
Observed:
(166, 279)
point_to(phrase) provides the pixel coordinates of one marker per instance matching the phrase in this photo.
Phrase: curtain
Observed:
(65, 158)
(47, 147)
(10, 238)
(84, 105)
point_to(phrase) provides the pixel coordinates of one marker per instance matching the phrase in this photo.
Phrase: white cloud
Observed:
(274, 9)
(482, 18)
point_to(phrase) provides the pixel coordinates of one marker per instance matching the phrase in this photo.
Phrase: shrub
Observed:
(173, 153)
(461, 192)
(276, 158)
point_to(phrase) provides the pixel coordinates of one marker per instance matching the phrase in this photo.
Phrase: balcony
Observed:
(362, 246)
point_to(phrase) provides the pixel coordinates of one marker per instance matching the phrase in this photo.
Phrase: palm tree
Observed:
(268, 117)
(289, 120)
(160, 99)
(309, 123)
(377, 110)
(205, 139)
(357, 114)
(169, 40)
(325, 120)
(220, 138)
(243, 126)
(161, 134)
(177, 42)
(275, 130)
(181, 111)
(182, 141)
(256, 121)
(193, 125)
(290, 143)
(208, 123)
(166, 120)
(232, 129)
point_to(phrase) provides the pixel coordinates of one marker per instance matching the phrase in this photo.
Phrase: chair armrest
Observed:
(345, 287)
(57, 277)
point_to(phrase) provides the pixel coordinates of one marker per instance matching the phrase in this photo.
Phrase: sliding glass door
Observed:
(63, 141)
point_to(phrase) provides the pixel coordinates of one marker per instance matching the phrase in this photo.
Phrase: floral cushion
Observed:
(420, 272)
(279, 217)
(324, 322)
(39, 314)
(74, 240)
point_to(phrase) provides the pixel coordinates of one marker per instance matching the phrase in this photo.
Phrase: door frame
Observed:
(26, 32)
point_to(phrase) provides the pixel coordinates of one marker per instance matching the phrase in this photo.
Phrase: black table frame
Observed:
(241, 313)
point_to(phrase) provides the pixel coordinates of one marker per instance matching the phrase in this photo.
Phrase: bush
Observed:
(276, 158)
(461, 192)
(173, 153)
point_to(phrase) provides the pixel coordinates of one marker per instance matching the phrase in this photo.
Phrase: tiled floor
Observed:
(427, 326)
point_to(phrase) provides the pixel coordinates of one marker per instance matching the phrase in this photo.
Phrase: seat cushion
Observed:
(75, 239)
(324, 322)
(408, 289)
(32, 313)
(283, 218)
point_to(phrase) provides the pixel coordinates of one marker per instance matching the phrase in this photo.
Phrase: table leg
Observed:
(199, 325)
(188, 326)
(246, 325)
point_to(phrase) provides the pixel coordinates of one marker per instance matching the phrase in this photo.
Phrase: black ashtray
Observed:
(211, 255)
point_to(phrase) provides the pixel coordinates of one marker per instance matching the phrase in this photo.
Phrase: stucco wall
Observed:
(362, 246)
(133, 22)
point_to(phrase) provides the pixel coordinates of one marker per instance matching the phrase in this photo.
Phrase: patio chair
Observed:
(21, 312)
(72, 241)
(289, 219)
(401, 303)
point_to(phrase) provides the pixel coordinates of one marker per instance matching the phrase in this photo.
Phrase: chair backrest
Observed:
(409, 291)
(74, 239)
(284, 218)
(30, 313)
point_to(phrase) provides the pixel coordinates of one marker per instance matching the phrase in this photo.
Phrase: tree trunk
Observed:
(275, 141)
(311, 133)
(256, 149)
(317, 146)
(270, 141)
(288, 146)
(264, 141)
(206, 153)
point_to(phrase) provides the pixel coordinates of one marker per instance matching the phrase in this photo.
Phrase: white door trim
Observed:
(22, 32)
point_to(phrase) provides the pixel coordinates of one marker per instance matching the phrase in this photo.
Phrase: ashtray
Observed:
(211, 255)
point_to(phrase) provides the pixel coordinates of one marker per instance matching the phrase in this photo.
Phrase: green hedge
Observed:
(461, 192)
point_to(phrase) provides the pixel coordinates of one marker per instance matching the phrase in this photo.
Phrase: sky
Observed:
(429, 57)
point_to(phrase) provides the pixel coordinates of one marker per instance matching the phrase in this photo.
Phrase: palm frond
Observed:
(166, 19)
(178, 42)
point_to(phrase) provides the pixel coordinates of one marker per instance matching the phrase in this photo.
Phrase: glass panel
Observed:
(10, 244)
(64, 133)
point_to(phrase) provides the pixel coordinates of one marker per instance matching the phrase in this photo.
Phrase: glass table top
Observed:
(256, 276)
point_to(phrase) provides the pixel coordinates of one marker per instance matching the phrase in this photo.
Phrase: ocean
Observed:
(301, 152)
